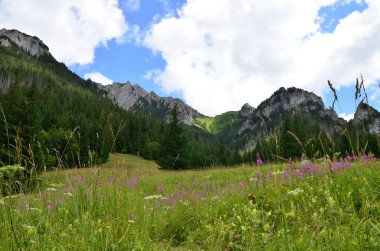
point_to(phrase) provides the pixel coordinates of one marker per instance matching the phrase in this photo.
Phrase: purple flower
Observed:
(305, 165)
(170, 200)
(365, 158)
(79, 179)
(259, 162)
(355, 157)
(285, 175)
(349, 158)
(160, 189)
(241, 185)
(132, 182)
(312, 169)
(299, 173)
(230, 186)
(269, 175)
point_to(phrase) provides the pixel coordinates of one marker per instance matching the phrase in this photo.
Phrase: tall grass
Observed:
(130, 204)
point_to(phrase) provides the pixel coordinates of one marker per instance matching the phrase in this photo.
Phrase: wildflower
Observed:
(132, 182)
(269, 175)
(68, 194)
(253, 179)
(299, 173)
(170, 200)
(160, 189)
(349, 158)
(295, 192)
(51, 206)
(305, 166)
(51, 189)
(79, 179)
(259, 162)
(131, 221)
(285, 175)
(153, 197)
(215, 198)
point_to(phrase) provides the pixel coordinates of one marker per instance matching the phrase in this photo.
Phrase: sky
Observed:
(216, 55)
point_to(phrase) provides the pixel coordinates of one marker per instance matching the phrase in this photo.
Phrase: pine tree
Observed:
(173, 144)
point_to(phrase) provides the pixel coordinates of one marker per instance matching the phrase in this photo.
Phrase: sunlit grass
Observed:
(130, 204)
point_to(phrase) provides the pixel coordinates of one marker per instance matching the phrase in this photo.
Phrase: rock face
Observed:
(134, 98)
(31, 45)
(368, 117)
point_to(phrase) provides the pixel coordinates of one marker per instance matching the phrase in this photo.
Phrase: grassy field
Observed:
(129, 204)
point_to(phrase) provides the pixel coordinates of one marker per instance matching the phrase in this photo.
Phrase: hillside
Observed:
(57, 118)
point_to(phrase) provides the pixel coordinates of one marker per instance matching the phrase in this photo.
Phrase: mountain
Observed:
(134, 98)
(31, 45)
(368, 117)
(243, 128)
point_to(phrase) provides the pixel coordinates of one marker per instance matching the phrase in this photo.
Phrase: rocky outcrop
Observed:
(31, 45)
(246, 110)
(134, 98)
(368, 117)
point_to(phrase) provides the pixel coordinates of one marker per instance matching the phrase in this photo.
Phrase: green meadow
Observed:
(130, 204)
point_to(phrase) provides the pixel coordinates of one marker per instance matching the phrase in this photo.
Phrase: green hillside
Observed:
(225, 126)
(51, 117)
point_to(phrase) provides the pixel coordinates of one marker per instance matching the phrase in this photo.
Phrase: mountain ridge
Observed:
(240, 128)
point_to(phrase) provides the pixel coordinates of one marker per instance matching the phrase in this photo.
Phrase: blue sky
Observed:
(215, 54)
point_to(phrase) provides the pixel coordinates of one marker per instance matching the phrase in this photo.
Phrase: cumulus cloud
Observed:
(98, 78)
(71, 28)
(221, 54)
(346, 117)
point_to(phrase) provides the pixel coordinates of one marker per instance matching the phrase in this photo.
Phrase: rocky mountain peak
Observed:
(285, 100)
(368, 116)
(246, 110)
(134, 98)
(31, 45)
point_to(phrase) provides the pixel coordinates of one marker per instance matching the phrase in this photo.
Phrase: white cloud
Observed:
(131, 5)
(71, 28)
(346, 117)
(98, 78)
(221, 54)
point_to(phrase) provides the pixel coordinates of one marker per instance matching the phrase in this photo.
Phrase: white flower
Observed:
(153, 197)
(68, 194)
(295, 192)
(51, 189)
